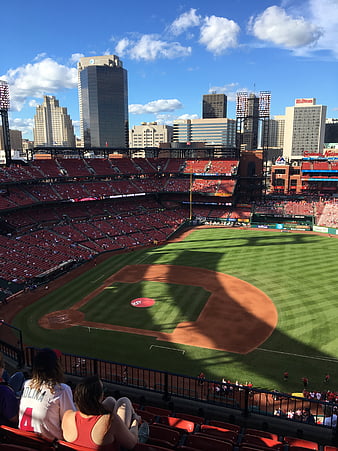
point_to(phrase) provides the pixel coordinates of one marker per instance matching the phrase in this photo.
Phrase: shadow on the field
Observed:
(275, 354)
(273, 239)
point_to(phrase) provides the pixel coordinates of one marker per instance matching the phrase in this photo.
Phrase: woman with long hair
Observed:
(100, 424)
(45, 397)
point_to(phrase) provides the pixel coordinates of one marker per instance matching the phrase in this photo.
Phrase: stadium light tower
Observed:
(4, 107)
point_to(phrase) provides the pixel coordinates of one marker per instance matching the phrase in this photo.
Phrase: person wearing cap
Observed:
(45, 398)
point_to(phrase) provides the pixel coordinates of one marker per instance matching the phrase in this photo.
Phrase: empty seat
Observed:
(157, 410)
(149, 447)
(219, 433)
(254, 441)
(300, 443)
(202, 442)
(178, 423)
(163, 436)
(149, 417)
(224, 425)
(11, 447)
(194, 418)
(260, 433)
(24, 438)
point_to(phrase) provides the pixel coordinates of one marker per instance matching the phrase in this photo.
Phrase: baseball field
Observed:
(246, 305)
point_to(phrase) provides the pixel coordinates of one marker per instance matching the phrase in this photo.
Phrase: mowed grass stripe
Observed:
(297, 271)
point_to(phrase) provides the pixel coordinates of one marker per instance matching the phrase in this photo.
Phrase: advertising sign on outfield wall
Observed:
(320, 229)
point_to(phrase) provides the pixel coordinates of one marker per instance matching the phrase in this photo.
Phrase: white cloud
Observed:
(33, 103)
(230, 90)
(325, 14)
(149, 47)
(122, 46)
(276, 26)
(184, 21)
(24, 125)
(156, 106)
(40, 56)
(38, 79)
(76, 57)
(219, 34)
(188, 116)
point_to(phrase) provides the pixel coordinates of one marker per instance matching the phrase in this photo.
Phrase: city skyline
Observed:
(173, 55)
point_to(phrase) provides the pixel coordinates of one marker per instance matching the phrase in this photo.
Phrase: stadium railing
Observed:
(243, 398)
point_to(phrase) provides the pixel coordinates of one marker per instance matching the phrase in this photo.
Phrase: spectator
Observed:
(201, 378)
(330, 418)
(308, 417)
(9, 406)
(100, 424)
(45, 397)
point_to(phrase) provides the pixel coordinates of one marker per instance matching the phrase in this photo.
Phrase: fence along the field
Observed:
(11, 342)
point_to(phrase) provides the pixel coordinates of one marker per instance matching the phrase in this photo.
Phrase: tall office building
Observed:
(304, 128)
(331, 131)
(251, 110)
(212, 132)
(52, 124)
(149, 134)
(214, 106)
(103, 99)
(276, 131)
(15, 139)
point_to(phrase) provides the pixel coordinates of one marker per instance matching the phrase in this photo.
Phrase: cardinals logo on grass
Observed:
(142, 302)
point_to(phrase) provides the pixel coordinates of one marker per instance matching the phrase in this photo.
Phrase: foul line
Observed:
(93, 281)
(326, 359)
(164, 347)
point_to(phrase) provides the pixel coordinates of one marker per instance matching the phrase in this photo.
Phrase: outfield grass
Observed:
(297, 271)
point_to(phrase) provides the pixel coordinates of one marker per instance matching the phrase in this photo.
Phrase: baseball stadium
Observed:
(195, 279)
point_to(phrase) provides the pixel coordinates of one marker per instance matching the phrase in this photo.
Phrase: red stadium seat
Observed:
(11, 447)
(157, 410)
(149, 447)
(163, 436)
(24, 438)
(201, 442)
(300, 443)
(195, 419)
(219, 433)
(260, 433)
(224, 425)
(254, 441)
(149, 417)
(65, 446)
(178, 423)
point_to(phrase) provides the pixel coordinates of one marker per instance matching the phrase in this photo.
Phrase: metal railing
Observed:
(245, 399)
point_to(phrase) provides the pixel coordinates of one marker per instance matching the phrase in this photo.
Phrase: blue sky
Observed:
(174, 53)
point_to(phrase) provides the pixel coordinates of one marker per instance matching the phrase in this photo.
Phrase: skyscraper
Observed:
(52, 124)
(214, 106)
(212, 132)
(250, 110)
(103, 98)
(304, 128)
